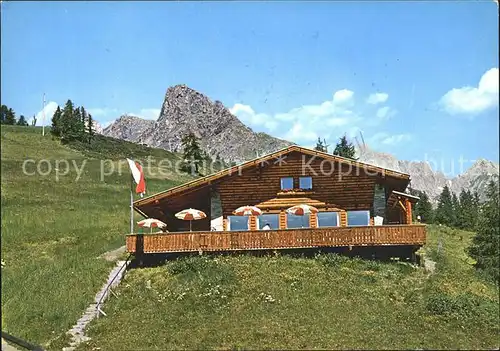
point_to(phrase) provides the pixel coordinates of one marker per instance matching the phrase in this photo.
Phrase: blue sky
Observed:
(420, 79)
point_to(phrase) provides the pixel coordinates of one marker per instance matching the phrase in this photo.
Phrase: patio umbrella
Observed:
(301, 210)
(190, 214)
(151, 223)
(247, 211)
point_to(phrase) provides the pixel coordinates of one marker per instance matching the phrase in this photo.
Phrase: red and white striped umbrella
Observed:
(247, 211)
(151, 223)
(301, 210)
(190, 215)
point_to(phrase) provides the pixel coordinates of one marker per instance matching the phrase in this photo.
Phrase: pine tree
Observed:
(192, 152)
(456, 209)
(467, 212)
(67, 127)
(22, 121)
(78, 124)
(444, 211)
(320, 146)
(485, 247)
(56, 122)
(90, 127)
(10, 117)
(345, 149)
(4, 111)
(423, 208)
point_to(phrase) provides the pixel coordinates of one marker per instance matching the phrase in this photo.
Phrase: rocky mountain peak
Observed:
(185, 110)
(128, 128)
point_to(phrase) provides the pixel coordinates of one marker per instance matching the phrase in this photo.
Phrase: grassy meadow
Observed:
(55, 227)
(284, 302)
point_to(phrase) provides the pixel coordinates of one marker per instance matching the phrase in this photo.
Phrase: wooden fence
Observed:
(277, 239)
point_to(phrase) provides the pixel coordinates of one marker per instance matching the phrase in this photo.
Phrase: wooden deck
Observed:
(409, 235)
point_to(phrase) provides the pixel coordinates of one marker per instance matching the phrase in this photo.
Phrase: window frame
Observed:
(258, 223)
(237, 230)
(281, 183)
(328, 226)
(306, 177)
(358, 225)
(288, 215)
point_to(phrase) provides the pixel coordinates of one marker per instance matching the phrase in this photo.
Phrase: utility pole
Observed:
(43, 116)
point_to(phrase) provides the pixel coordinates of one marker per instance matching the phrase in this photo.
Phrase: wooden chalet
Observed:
(359, 205)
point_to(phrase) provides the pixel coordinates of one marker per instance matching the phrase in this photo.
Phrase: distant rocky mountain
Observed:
(185, 110)
(129, 128)
(424, 178)
(476, 178)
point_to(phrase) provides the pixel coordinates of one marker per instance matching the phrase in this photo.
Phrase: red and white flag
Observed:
(138, 175)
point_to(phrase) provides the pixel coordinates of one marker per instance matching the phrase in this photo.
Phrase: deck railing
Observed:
(277, 239)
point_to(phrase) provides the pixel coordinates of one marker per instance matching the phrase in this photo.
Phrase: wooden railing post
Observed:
(343, 218)
(408, 211)
(282, 220)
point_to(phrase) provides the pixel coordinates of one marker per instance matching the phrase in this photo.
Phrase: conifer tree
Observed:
(90, 127)
(456, 209)
(4, 110)
(485, 247)
(67, 129)
(423, 208)
(78, 124)
(468, 211)
(10, 117)
(56, 122)
(192, 153)
(345, 149)
(22, 121)
(320, 146)
(444, 211)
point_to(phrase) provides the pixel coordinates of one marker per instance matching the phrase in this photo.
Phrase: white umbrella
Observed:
(301, 210)
(190, 214)
(247, 211)
(151, 223)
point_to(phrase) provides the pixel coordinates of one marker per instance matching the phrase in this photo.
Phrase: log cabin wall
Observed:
(349, 189)
(166, 209)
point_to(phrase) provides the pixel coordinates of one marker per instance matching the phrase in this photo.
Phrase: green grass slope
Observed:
(54, 227)
(327, 302)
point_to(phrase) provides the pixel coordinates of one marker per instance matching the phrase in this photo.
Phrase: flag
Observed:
(138, 176)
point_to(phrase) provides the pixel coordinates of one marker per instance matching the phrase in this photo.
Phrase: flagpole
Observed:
(131, 205)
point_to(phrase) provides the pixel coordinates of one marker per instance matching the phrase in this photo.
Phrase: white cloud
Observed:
(305, 123)
(473, 100)
(298, 132)
(49, 110)
(103, 112)
(385, 113)
(377, 98)
(389, 140)
(342, 96)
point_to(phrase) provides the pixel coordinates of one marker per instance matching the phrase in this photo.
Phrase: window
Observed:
(328, 219)
(305, 183)
(286, 183)
(269, 218)
(238, 223)
(358, 217)
(294, 221)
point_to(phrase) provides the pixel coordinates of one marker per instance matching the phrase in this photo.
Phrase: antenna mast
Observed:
(43, 116)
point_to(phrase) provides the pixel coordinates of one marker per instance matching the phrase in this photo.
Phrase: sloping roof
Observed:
(395, 196)
(235, 169)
